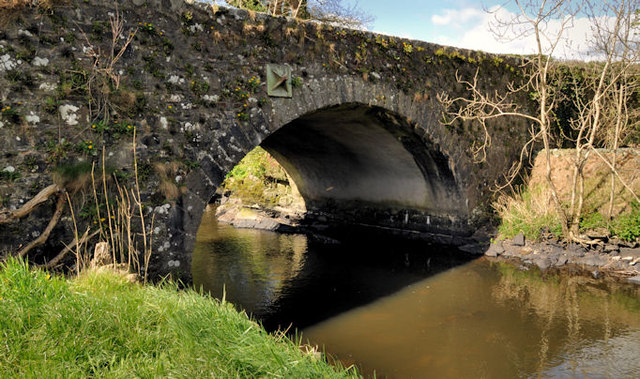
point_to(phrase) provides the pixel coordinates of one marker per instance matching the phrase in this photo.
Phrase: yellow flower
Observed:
(48, 276)
(103, 219)
(90, 147)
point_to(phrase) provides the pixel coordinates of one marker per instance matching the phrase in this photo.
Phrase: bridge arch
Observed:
(358, 151)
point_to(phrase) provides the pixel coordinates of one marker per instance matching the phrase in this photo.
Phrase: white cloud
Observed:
(479, 35)
(457, 17)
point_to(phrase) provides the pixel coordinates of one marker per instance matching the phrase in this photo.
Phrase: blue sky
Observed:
(413, 19)
(466, 24)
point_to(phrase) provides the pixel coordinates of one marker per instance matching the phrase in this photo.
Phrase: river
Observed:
(403, 309)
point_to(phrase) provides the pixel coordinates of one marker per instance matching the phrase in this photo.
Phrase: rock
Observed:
(622, 243)
(472, 248)
(494, 250)
(575, 251)
(40, 62)
(596, 274)
(542, 263)
(611, 249)
(525, 250)
(629, 254)
(519, 240)
(593, 259)
(601, 234)
(101, 256)
(634, 279)
(561, 261)
(68, 114)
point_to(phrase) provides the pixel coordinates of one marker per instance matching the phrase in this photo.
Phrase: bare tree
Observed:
(618, 43)
(336, 12)
(607, 82)
(533, 19)
(331, 11)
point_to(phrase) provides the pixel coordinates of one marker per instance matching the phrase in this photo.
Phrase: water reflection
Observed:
(493, 321)
(288, 280)
(405, 310)
(249, 266)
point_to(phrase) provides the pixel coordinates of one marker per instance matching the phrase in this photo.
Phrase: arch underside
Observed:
(358, 164)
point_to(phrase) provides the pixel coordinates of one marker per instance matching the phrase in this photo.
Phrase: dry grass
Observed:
(167, 172)
(530, 210)
(290, 31)
(10, 9)
(526, 212)
(597, 179)
(250, 29)
(420, 97)
(217, 36)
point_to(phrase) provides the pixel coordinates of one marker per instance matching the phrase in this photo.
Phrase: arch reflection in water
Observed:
(285, 280)
(250, 267)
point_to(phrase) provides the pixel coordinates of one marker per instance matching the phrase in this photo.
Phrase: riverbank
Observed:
(609, 228)
(101, 324)
(612, 258)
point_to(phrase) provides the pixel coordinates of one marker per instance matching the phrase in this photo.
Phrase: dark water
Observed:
(403, 309)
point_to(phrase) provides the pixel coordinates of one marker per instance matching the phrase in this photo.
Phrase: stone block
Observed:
(494, 250)
(519, 240)
(634, 280)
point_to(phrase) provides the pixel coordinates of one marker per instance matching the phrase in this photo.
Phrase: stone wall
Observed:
(192, 85)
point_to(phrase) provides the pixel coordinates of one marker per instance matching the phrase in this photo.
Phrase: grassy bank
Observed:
(259, 179)
(100, 324)
(530, 210)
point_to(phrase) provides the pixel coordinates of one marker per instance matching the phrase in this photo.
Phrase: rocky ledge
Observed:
(613, 257)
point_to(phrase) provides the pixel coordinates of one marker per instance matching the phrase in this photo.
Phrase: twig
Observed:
(56, 260)
(75, 232)
(45, 235)
(8, 216)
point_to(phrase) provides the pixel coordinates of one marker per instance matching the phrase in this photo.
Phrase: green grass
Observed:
(255, 179)
(101, 325)
(527, 212)
(626, 226)
(530, 211)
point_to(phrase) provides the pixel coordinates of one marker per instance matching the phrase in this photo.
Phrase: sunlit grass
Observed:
(102, 325)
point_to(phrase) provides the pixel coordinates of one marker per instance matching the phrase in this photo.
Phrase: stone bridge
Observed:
(352, 116)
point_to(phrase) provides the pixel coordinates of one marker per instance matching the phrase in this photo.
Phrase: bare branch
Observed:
(44, 195)
(45, 234)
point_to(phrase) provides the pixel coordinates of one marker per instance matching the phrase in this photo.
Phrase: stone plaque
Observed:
(279, 81)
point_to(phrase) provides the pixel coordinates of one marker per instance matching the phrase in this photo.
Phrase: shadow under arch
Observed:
(360, 164)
